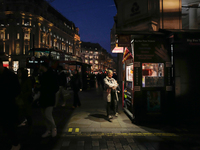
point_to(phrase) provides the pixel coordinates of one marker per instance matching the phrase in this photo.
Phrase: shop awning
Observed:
(117, 50)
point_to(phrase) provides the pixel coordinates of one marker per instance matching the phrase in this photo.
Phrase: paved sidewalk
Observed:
(86, 128)
(91, 117)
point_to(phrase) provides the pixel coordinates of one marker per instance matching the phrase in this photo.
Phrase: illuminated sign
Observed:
(35, 61)
(117, 50)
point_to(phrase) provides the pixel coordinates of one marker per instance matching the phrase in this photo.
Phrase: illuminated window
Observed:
(2, 35)
(91, 61)
(18, 36)
(26, 22)
(91, 57)
(96, 61)
(86, 61)
(26, 36)
(43, 39)
(57, 45)
(8, 36)
(17, 49)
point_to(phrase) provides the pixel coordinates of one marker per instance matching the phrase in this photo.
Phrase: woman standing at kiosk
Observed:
(110, 86)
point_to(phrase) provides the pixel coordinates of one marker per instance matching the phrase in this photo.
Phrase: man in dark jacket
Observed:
(48, 89)
(76, 86)
(9, 89)
(62, 83)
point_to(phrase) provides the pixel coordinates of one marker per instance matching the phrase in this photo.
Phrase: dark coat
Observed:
(75, 82)
(9, 89)
(48, 89)
(62, 78)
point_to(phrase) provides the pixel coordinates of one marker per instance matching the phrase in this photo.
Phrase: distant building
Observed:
(34, 23)
(97, 56)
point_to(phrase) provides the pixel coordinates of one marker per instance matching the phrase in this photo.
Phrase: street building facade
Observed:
(31, 24)
(157, 44)
(97, 56)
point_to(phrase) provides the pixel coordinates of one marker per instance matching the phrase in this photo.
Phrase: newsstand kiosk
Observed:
(148, 85)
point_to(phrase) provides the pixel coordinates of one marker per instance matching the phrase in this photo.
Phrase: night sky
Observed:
(94, 18)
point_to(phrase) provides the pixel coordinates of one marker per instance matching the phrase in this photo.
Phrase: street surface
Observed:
(86, 128)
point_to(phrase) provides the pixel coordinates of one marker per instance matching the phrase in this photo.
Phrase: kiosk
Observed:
(148, 86)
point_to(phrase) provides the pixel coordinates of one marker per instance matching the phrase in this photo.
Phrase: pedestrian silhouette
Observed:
(9, 90)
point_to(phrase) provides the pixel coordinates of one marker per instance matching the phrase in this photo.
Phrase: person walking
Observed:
(24, 99)
(48, 88)
(109, 93)
(9, 90)
(76, 86)
(62, 82)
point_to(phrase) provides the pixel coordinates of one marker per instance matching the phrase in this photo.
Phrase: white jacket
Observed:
(109, 84)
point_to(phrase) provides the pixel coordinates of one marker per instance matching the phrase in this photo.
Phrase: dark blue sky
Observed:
(94, 18)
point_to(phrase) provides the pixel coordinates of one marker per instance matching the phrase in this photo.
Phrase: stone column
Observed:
(193, 22)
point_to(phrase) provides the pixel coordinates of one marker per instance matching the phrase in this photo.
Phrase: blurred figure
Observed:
(76, 86)
(24, 99)
(49, 87)
(61, 82)
(9, 90)
(98, 79)
(67, 79)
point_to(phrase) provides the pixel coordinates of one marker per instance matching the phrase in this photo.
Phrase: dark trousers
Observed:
(115, 106)
(76, 99)
(108, 108)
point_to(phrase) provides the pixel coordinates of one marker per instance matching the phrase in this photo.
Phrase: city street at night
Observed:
(86, 128)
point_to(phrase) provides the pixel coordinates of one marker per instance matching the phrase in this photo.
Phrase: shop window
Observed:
(15, 66)
(152, 74)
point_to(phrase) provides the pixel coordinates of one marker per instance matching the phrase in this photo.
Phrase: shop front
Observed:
(147, 82)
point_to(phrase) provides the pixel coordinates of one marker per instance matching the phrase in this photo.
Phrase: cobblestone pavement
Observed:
(86, 128)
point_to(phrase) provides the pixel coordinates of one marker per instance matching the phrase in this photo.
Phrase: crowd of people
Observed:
(46, 88)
